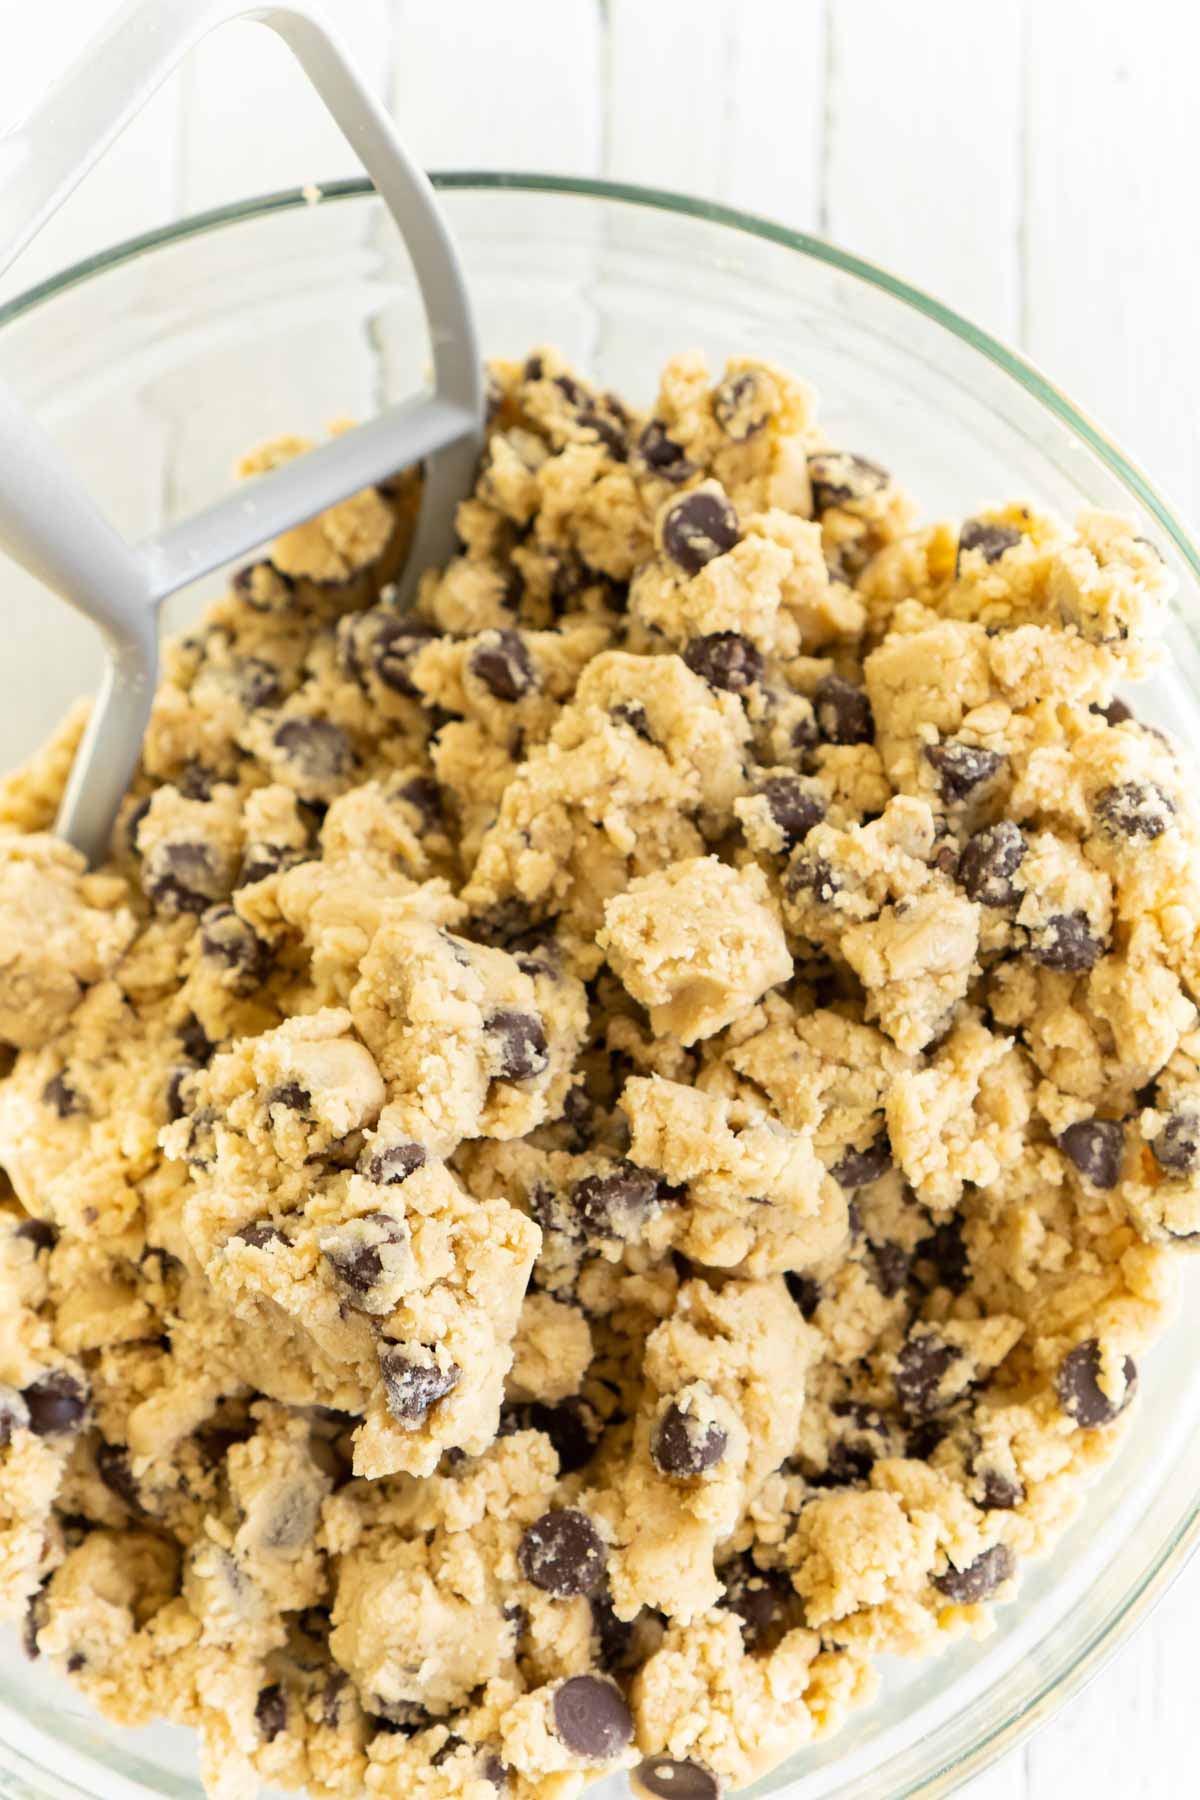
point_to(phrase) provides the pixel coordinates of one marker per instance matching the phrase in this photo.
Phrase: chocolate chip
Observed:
(357, 1264)
(492, 1769)
(670, 1778)
(858, 1168)
(62, 1098)
(662, 455)
(571, 1426)
(37, 1614)
(270, 1711)
(742, 405)
(57, 1403)
(892, 1264)
(201, 1139)
(1177, 1146)
(262, 860)
(989, 861)
(563, 1554)
(14, 1413)
(38, 1232)
(394, 643)
(195, 1042)
(414, 1381)
(1001, 1492)
(196, 781)
(804, 1291)
(1077, 1385)
(258, 684)
(684, 1445)
(290, 1095)
(990, 540)
(517, 1043)
(758, 1598)
(389, 1167)
(610, 434)
(501, 662)
(319, 750)
(631, 713)
(794, 805)
(946, 1249)
(843, 712)
(615, 1636)
(923, 1361)
(1138, 810)
(847, 1465)
(610, 1205)
(966, 1587)
(182, 878)
(227, 940)
(134, 820)
(698, 527)
(811, 878)
(961, 768)
(425, 796)
(840, 478)
(1115, 713)
(1097, 1148)
(260, 1234)
(1065, 941)
(261, 579)
(725, 661)
(591, 1717)
(113, 1468)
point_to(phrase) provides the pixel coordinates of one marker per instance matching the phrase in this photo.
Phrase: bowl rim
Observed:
(1126, 1615)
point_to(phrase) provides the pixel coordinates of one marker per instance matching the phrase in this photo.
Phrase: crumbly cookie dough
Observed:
(602, 1152)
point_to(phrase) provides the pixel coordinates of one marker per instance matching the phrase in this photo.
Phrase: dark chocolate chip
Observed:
(923, 1361)
(358, 1265)
(38, 1232)
(494, 1770)
(501, 662)
(36, 1615)
(270, 1711)
(57, 1402)
(662, 455)
(742, 405)
(966, 1587)
(858, 1168)
(394, 644)
(615, 1636)
(1077, 1385)
(683, 1445)
(758, 1598)
(1065, 941)
(195, 1042)
(227, 940)
(182, 878)
(563, 1554)
(591, 1717)
(794, 805)
(804, 1291)
(892, 1264)
(319, 750)
(425, 796)
(1138, 810)
(113, 1468)
(291, 1095)
(961, 768)
(670, 1778)
(517, 1042)
(260, 1234)
(258, 684)
(1177, 1146)
(196, 781)
(989, 862)
(610, 1205)
(946, 1249)
(262, 860)
(698, 527)
(389, 1167)
(724, 660)
(1001, 1492)
(990, 540)
(610, 434)
(62, 1098)
(810, 878)
(1097, 1148)
(1115, 713)
(414, 1382)
(843, 712)
(840, 478)
(633, 714)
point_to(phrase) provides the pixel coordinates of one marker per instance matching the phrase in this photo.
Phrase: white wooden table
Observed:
(1032, 162)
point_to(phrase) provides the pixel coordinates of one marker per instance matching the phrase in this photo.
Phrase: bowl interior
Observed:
(155, 370)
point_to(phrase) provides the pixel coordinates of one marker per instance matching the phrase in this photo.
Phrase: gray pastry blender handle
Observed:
(48, 522)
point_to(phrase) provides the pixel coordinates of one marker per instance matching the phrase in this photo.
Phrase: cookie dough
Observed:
(603, 1152)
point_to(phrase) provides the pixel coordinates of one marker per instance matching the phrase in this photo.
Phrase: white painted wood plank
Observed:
(668, 111)
(1114, 258)
(253, 122)
(924, 162)
(493, 87)
(773, 115)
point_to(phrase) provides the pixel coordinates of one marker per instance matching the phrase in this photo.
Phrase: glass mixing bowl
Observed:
(156, 363)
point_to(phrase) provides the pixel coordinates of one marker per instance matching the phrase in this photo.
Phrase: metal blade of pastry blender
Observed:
(48, 522)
